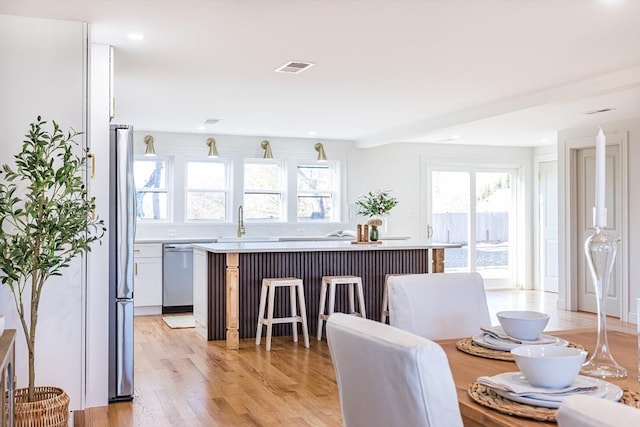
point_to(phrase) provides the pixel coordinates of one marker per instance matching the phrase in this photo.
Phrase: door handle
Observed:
(93, 164)
(135, 268)
(429, 231)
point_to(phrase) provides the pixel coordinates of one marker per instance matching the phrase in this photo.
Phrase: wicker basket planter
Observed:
(51, 408)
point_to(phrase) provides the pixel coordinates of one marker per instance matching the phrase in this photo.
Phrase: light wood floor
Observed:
(182, 380)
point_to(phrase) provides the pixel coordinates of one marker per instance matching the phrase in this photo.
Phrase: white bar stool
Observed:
(331, 282)
(269, 286)
(385, 298)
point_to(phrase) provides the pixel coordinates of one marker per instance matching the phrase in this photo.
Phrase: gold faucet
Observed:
(241, 229)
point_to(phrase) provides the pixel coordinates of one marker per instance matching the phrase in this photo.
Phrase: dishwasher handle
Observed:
(178, 247)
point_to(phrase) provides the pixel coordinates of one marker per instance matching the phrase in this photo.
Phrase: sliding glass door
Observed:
(476, 209)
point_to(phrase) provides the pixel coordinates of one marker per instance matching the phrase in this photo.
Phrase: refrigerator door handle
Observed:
(126, 212)
(124, 348)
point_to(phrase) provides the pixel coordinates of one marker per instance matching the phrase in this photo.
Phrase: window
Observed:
(152, 195)
(477, 209)
(263, 190)
(316, 192)
(207, 190)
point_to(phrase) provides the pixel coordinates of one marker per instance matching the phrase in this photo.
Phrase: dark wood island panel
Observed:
(371, 265)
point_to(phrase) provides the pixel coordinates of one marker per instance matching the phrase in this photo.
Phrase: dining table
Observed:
(466, 368)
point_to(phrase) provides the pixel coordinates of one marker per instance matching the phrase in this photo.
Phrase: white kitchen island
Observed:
(227, 278)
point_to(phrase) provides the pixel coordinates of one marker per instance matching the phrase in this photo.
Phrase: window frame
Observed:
(227, 191)
(283, 191)
(335, 191)
(167, 189)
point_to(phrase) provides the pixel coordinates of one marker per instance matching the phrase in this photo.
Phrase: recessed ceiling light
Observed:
(209, 122)
(312, 133)
(135, 36)
(201, 127)
(294, 67)
(444, 139)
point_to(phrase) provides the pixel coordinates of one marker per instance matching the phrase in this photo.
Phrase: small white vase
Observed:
(382, 230)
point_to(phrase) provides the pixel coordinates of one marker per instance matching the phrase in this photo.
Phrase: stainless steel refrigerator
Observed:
(122, 225)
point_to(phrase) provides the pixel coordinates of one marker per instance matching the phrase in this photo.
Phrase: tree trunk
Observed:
(32, 344)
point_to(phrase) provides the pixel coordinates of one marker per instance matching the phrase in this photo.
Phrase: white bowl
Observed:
(523, 325)
(549, 366)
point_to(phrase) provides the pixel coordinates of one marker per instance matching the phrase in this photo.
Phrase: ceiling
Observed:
(457, 72)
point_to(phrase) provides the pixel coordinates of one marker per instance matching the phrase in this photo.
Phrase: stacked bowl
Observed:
(523, 325)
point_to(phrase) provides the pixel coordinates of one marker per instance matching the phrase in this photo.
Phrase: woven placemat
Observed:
(467, 345)
(630, 397)
(487, 397)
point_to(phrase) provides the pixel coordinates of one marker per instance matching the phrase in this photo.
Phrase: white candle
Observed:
(600, 213)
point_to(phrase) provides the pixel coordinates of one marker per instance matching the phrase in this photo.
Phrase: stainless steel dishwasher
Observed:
(177, 278)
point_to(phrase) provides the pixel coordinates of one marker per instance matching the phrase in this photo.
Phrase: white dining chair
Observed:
(438, 306)
(589, 411)
(389, 377)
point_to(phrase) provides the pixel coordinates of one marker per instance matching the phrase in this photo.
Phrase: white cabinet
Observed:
(147, 278)
(200, 293)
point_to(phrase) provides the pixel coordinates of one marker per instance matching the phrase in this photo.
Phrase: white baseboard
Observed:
(147, 310)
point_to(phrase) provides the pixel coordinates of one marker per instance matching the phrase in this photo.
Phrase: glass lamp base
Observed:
(603, 369)
(600, 250)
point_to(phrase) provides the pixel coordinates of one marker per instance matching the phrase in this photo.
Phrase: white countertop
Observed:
(176, 239)
(315, 246)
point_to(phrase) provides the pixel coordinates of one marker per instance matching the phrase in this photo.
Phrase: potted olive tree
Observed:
(46, 219)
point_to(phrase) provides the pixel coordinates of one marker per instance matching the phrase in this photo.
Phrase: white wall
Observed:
(550, 151)
(97, 332)
(632, 127)
(181, 146)
(43, 73)
(400, 167)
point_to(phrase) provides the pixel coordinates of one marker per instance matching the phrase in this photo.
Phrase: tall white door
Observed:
(548, 220)
(585, 195)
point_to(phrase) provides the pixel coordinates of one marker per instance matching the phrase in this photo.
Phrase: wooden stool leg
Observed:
(263, 301)
(294, 312)
(332, 298)
(363, 313)
(323, 297)
(303, 314)
(272, 295)
(352, 304)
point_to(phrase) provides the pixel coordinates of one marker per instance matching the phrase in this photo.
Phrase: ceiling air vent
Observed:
(209, 122)
(294, 67)
(602, 110)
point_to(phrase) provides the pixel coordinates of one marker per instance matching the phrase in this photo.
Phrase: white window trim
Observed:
(336, 193)
(228, 191)
(283, 192)
(518, 227)
(168, 188)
